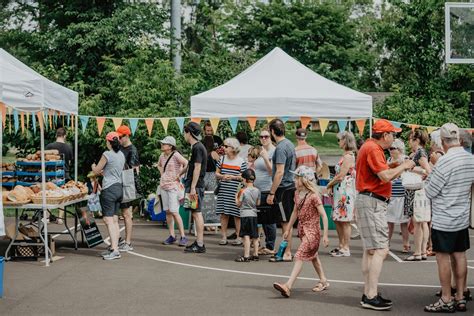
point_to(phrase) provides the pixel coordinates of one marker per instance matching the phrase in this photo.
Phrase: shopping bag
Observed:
(128, 182)
(411, 180)
(158, 204)
(93, 203)
(421, 207)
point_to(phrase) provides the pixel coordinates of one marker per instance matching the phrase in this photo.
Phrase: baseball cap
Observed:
(169, 140)
(195, 130)
(124, 130)
(301, 133)
(305, 172)
(449, 131)
(384, 126)
(111, 135)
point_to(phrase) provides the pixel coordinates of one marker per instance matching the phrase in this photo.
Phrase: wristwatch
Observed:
(271, 193)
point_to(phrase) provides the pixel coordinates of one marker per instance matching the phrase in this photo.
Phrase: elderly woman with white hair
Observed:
(229, 173)
(395, 209)
(436, 147)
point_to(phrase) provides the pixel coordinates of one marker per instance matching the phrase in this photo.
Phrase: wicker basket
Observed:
(49, 200)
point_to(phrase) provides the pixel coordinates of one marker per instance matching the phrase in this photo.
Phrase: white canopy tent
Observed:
(26, 90)
(279, 86)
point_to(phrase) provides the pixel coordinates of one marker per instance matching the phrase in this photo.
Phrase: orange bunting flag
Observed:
(22, 122)
(40, 119)
(196, 120)
(50, 118)
(414, 126)
(305, 120)
(100, 124)
(165, 121)
(149, 125)
(252, 122)
(3, 109)
(323, 125)
(117, 122)
(214, 123)
(360, 125)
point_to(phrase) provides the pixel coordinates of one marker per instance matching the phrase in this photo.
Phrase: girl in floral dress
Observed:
(308, 209)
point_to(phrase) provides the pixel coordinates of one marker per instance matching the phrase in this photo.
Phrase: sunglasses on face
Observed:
(264, 136)
(393, 148)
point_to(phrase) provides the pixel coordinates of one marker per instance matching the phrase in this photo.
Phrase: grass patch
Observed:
(326, 145)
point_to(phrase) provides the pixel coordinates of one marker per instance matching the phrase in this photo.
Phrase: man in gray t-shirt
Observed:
(282, 193)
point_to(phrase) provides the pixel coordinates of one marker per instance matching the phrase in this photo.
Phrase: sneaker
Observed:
(125, 247)
(195, 248)
(169, 241)
(183, 241)
(334, 250)
(113, 255)
(389, 302)
(232, 236)
(106, 252)
(237, 242)
(121, 241)
(341, 253)
(375, 304)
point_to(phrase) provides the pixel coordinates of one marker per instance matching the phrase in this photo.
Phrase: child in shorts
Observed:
(247, 200)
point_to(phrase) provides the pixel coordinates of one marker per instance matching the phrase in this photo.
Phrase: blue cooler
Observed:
(161, 217)
(2, 262)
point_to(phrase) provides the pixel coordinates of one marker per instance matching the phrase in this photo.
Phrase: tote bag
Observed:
(93, 201)
(421, 206)
(128, 183)
(412, 181)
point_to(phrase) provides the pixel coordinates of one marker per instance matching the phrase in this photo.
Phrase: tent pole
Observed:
(370, 127)
(43, 191)
(2, 218)
(76, 119)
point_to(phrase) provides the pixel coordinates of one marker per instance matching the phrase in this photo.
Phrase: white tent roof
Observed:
(23, 88)
(278, 85)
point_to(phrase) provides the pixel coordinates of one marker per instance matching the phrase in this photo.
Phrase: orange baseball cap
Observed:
(124, 130)
(384, 126)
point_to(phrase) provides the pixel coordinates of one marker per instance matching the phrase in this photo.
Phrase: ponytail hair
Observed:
(115, 144)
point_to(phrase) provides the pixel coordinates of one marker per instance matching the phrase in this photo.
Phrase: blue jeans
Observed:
(270, 235)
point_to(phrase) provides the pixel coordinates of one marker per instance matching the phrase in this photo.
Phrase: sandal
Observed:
(406, 249)
(280, 259)
(237, 242)
(460, 305)
(243, 259)
(283, 289)
(413, 258)
(266, 252)
(321, 286)
(223, 242)
(439, 293)
(441, 307)
(424, 256)
(254, 258)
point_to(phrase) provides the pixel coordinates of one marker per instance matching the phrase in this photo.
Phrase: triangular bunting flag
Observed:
(55, 117)
(180, 122)
(165, 122)
(40, 120)
(269, 119)
(149, 125)
(16, 120)
(33, 121)
(284, 119)
(396, 124)
(27, 120)
(22, 122)
(73, 121)
(414, 126)
(68, 119)
(3, 109)
(50, 119)
(10, 120)
(360, 125)
(431, 129)
(117, 122)
(233, 121)
(100, 124)
(305, 120)
(252, 122)
(214, 123)
(323, 125)
(133, 125)
(342, 124)
(84, 121)
(196, 120)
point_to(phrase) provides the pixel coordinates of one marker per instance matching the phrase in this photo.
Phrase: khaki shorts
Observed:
(372, 222)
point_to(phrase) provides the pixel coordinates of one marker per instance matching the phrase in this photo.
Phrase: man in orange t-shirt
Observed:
(373, 182)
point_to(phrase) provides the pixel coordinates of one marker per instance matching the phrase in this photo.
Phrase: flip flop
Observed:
(321, 286)
(284, 291)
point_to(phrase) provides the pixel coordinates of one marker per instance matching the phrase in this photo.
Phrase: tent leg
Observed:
(2, 219)
(43, 195)
(76, 146)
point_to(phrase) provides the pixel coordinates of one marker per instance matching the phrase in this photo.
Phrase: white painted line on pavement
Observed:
(394, 256)
(470, 267)
(106, 240)
(64, 231)
(274, 275)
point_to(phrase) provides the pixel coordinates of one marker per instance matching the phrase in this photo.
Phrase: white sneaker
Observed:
(341, 253)
(125, 247)
(112, 256)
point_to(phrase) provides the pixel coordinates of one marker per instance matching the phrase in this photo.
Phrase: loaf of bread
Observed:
(51, 186)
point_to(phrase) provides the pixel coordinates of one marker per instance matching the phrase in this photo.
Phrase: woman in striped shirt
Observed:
(229, 171)
(395, 210)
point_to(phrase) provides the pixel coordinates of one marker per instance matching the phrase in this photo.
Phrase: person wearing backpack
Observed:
(172, 165)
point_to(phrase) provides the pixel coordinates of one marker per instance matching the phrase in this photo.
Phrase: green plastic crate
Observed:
(331, 225)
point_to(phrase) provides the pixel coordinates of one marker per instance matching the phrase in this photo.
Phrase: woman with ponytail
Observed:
(110, 166)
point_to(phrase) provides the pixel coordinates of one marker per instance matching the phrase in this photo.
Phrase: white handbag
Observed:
(128, 182)
(421, 206)
(412, 180)
(158, 204)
